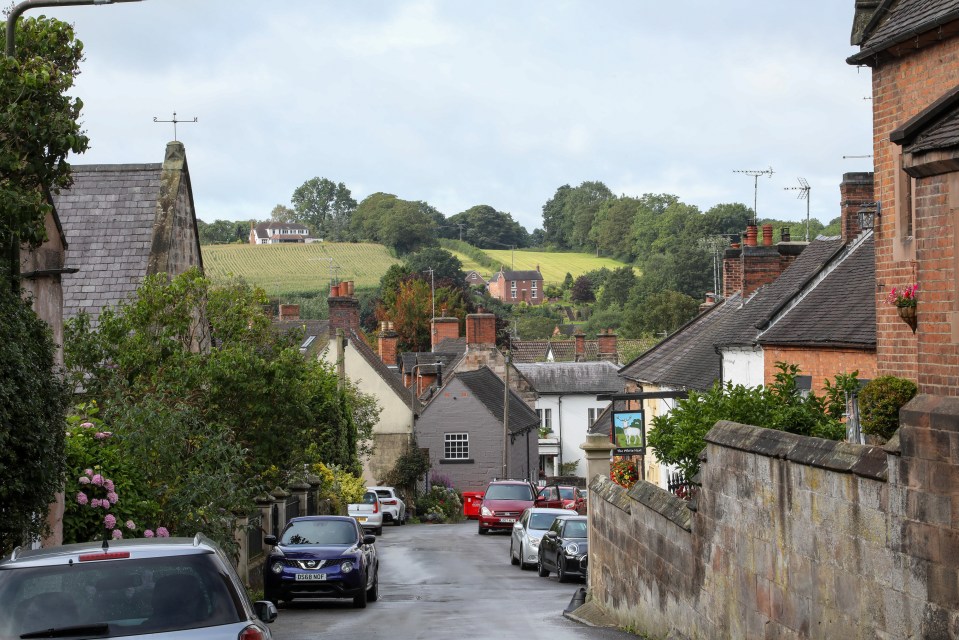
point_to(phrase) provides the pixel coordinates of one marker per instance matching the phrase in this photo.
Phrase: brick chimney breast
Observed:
(480, 329)
(607, 346)
(387, 341)
(444, 328)
(344, 310)
(580, 346)
(855, 191)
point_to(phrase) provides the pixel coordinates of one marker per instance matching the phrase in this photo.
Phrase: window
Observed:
(592, 414)
(546, 418)
(533, 288)
(512, 288)
(456, 446)
(903, 247)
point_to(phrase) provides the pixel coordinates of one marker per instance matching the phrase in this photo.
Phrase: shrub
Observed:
(880, 401)
(440, 504)
(338, 486)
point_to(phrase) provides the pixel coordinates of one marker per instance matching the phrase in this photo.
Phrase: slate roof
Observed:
(687, 359)
(839, 311)
(452, 345)
(382, 370)
(428, 359)
(740, 329)
(315, 333)
(572, 377)
(903, 21)
(517, 275)
(488, 389)
(107, 216)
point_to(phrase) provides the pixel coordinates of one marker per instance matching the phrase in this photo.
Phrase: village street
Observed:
(445, 581)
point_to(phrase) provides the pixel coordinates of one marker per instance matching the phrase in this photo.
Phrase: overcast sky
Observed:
(495, 102)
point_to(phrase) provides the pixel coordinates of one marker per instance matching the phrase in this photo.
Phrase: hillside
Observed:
(286, 269)
(283, 269)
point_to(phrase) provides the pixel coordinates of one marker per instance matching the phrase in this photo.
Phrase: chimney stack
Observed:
(289, 312)
(580, 347)
(855, 192)
(386, 342)
(607, 346)
(480, 330)
(442, 328)
(344, 308)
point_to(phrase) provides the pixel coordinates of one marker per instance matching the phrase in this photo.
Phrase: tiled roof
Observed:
(488, 389)
(904, 21)
(107, 216)
(687, 359)
(572, 377)
(839, 310)
(740, 329)
(526, 351)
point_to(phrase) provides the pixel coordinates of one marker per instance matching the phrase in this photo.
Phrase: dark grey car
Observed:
(564, 548)
(144, 588)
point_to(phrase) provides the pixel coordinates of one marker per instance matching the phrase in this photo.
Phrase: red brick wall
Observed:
(387, 341)
(481, 329)
(761, 266)
(732, 272)
(902, 88)
(444, 328)
(855, 190)
(821, 364)
(503, 290)
(344, 313)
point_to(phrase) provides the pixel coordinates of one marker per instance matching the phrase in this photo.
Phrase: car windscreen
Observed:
(369, 498)
(575, 529)
(120, 597)
(541, 521)
(567, 493)
(320, 532)
(509, 492)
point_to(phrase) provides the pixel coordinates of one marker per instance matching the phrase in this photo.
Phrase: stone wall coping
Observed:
(659, 500)
(867, 461)
(932, 412)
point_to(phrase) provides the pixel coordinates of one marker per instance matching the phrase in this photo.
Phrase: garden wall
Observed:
(791, 537)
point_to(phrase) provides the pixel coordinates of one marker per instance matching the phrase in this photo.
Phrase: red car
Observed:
(503, 503)
(557, 496)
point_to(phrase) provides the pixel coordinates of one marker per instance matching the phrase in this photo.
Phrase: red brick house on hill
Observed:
(517, 286)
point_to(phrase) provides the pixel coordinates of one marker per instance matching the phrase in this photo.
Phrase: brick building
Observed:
(517, 286)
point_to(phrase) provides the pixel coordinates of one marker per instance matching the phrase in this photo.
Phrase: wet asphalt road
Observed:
(445, 581)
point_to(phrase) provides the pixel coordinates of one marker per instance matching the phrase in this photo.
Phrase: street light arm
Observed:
(18, 10)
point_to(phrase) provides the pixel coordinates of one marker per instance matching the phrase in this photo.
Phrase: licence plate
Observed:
(310, 577)
(361, 518)
(507, 519)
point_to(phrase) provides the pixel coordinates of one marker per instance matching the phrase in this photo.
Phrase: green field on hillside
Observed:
(282, 269)
(553, 266)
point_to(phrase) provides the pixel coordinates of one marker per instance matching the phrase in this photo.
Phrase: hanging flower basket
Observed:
(904, 299)
(908, 315)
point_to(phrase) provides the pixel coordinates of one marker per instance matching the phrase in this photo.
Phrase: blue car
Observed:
(322, 557)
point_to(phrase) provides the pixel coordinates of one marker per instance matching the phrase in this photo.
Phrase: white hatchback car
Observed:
(394, 509)
(532, 525)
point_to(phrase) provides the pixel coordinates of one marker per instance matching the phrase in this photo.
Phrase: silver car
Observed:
(143, 588)
(527, 532)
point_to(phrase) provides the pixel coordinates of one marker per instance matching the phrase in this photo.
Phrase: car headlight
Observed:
(277, 567)
(572, 549)
(534, 542)
(346, 567)
(486, 512)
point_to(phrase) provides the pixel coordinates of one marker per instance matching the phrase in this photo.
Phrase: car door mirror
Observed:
(518, 525)
(265, 610)
(270, 540)
(551, 534)
(540, 500)
(369, 538)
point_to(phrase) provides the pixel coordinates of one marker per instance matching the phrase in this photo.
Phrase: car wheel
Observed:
(541, 568)
(272, 596)
(483, 531)
(373, 593)
(379, 530)
(359, 600)
(561, 570)
(512, 558)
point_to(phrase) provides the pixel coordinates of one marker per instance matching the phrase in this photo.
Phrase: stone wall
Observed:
(791, 537)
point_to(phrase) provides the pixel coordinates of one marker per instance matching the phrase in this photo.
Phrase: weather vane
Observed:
(174, 121)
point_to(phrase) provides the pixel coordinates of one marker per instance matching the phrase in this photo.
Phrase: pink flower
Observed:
(148, 533)
(108, 484)
(82, 498)
(83, 480)
(101, 435)
(130, 525)
(162, 532)
(88, 472)
(109, 521)
(97, 480)
(87, 425)
(105, 504)
(95, 503)
(112, 497)
(117, 534)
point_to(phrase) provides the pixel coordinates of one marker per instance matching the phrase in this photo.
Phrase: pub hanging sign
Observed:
(628, 433)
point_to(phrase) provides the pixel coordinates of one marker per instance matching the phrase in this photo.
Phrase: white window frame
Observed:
(456, 446)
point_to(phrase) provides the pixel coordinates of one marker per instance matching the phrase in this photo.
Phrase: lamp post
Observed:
(9, 52)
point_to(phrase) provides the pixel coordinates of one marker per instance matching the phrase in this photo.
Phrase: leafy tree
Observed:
(555, 229)
(726, 219)
(410, 313)
(568, 281)
(487, 228)
(610, 231)
(616, 288)
(665, 311)
(222, 231)
(447, 268)
(582, 290)
(402, 225)
(32, 406)
(537, 238)
(282, 213)
(39, 125)
(600, 320)
(679, 436)
(325, 206)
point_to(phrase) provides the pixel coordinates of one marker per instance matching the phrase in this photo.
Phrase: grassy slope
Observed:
(296, 268)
